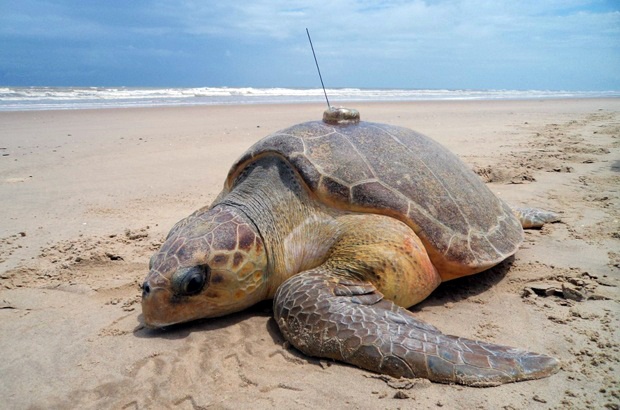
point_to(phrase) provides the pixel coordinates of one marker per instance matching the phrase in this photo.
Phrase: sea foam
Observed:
(69, 98)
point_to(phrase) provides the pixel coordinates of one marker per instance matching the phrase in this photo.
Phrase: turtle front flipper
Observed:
(324, 315)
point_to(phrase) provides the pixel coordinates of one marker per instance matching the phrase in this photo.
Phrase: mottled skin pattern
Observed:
(344, 225)
(325, 316)
(227, 243)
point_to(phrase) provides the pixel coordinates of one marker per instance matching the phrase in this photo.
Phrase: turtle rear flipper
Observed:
(533, 218)
(360, 327)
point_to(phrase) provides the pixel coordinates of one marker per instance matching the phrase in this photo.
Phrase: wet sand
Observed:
(87, 196)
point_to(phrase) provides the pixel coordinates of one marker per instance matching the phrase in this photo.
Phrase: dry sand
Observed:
(87, 196)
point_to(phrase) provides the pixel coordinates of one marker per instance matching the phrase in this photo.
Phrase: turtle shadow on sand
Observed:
(463, 288)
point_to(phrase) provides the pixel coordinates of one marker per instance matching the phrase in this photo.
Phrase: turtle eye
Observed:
(190, 281)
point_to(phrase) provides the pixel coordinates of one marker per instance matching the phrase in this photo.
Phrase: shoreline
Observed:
(236, 98)
(338, 103)
(268, 106)
(88, 195)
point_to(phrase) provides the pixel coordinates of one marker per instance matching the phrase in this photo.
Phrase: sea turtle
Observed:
(345, 224)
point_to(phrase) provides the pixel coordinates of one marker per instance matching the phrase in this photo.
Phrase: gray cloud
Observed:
(444, 43)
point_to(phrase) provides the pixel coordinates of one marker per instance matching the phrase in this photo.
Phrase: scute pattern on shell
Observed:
(369, 167)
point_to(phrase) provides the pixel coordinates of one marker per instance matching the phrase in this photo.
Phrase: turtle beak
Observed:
(155, 302)
(161, 308)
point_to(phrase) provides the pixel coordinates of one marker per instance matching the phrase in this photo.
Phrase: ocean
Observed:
(72, 98)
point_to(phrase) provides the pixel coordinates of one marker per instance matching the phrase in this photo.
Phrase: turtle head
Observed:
(211, 264)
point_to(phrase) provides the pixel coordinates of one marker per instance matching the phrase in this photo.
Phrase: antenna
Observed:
(318, 69)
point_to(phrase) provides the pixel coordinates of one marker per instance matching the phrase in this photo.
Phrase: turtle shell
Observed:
(384, 169)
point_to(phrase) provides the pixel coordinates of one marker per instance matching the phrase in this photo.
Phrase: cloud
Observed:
(441, 43)
(416, 31)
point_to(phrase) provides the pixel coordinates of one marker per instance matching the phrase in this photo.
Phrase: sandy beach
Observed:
(88, 195)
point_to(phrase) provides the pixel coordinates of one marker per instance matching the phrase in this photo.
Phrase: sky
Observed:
(432, 44)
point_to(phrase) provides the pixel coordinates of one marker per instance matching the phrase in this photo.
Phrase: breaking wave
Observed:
(70, 98)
